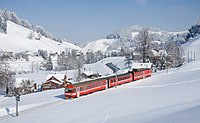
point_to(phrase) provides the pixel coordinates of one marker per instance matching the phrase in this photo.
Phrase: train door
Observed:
(133, 75)
(107, 84)
(78, 91)
(143, 74)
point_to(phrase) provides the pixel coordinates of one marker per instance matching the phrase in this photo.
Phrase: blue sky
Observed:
(88, 20)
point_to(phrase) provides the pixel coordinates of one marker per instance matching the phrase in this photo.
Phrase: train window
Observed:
(92, 85)
(81, 88)
(99, 83)
(68, 90)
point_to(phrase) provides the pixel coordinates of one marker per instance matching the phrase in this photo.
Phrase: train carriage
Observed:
(82, 88)
(119, 79)
(78, 89)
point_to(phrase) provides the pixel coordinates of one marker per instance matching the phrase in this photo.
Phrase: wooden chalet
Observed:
(54, 81)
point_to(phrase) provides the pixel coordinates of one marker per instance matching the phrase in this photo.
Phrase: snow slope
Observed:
(192, 46)
(16, 40)
(163, 98)
(40, 76)
(101, 45)
(172, 97)
(101, 68)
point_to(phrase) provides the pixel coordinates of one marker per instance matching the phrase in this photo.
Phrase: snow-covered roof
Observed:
(141, 65)
(155, 53)
(57, 82)
(88, 73)
(60, 77)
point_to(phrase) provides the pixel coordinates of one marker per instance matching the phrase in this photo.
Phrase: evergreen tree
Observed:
(193, 31)
(49, 64)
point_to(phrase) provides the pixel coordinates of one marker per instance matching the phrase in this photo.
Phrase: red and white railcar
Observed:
(78, 89)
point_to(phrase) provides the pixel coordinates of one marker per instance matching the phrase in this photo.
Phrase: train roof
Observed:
(98, 79)
(106, 77)
(141, 66)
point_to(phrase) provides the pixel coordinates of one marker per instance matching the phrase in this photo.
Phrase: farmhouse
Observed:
(54, 81)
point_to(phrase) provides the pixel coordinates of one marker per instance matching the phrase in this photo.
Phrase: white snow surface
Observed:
(16, 40)
(192, 46)
(98, 45)
(172, 97)
(101, 68)
(163, 98)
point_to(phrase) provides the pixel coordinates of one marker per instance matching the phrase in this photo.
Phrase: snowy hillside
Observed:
(40, 76)
(131, 32)
(163, 98)
(192, 46)
(17, 40)
(99, 45)
(101, 68)
(128, 38)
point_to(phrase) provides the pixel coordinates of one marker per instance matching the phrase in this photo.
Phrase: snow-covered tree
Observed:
(26, 86)
(7, 78)
(99, 55)
(31, 35)
(43, 54)
(90, 57)
(175, 52)
(49, 64)
(128, 60)
(6, 15)
(3, 25)
(144, 40)
(193, 31)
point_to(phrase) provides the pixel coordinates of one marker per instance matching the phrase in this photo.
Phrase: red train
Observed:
(83, 88)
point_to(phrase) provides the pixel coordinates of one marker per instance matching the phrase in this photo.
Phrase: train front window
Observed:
(68, 90)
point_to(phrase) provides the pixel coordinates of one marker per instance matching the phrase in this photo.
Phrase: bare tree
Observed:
(26, 86)
(7, 78)
(144, 46)
(175, 52)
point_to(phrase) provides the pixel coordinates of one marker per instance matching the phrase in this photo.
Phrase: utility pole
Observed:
(116, 79)
(78, 63)
(17, 100)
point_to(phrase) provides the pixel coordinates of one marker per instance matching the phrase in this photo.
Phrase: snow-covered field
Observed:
(16, 40)
(98, 45)
(164, 97)
(192, 47)
(172, 97)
